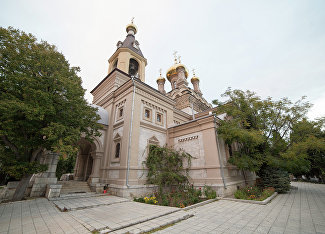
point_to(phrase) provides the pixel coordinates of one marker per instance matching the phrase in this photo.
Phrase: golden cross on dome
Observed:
(193, 70)
(132, 20)
(179, 59)
(160, 71)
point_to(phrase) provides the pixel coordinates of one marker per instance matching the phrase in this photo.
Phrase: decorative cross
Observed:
(160, 71)
(175, 56)
(193, 70)
(132, 20)
(179, 59)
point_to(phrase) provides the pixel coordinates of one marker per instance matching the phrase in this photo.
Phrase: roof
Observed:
(128, 43)
(102, 113)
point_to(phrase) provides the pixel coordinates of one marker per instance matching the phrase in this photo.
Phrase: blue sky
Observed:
(275, 48)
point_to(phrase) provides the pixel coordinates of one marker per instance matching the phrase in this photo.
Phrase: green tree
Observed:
(307, 140)
(261, 129)
(42, 105)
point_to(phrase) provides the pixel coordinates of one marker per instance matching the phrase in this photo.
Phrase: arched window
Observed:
(117, 150)
(174, 85)
(133, 68)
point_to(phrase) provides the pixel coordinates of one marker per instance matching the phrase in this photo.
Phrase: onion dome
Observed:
(194, 78)
(160, 78)
(173, 70)
(131, 28)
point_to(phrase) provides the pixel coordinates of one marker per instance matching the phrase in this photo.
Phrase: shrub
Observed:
(253, 193)
(240, 194)
(276, 178)
(209, 192)
(65, 165)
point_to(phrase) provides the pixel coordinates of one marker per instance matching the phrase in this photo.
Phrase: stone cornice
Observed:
(191, 124)
(153, 127)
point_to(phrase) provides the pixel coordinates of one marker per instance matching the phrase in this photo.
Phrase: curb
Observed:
(149, 226)
(266, 201)
(200, 204)
(64, 209)
(107, 229)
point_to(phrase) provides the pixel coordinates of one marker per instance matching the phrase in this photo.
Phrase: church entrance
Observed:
(84, 162)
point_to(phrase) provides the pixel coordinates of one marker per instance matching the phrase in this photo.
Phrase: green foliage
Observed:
(166, 166)
(308, 141)
(277, 178)
(260, 129)
(209, 192)
(179, 197)
(254, 193)
(166, 169)
(65, 165)
(42, 103)
(240, 194)
(272, 135)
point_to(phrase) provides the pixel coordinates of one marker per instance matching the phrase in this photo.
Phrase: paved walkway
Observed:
(76, 203)
(119, 215)
(36, 216)
(300, 211)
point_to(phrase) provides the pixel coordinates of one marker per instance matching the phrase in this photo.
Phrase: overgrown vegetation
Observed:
(168, 168)
(254, 193)
(270, 137)
(65, 165)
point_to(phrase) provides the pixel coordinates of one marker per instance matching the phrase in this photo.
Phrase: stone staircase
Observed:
(74, 187)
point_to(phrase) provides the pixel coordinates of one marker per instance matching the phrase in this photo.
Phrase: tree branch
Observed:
(35, 154)
(10, 145)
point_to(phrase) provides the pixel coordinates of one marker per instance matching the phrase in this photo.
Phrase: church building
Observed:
(135, 115)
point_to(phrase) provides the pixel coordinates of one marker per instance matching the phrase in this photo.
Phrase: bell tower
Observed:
(128, 56)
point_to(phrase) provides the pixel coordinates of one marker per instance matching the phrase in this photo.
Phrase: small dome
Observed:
(132, 27)
(195, 78)
(173, 70)
(161, 79)
(102, 113)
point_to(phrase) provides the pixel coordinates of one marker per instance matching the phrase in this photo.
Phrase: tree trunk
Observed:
(21, 188)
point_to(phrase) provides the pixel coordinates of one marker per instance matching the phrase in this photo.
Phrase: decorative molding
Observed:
(146, 103)
(120, 103)
(188, 138)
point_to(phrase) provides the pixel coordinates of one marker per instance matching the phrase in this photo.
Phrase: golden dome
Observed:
(195, 78)
(161, 79)
(132, 27)
(172, 70)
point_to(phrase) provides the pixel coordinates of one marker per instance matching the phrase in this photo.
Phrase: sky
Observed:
(274, 48)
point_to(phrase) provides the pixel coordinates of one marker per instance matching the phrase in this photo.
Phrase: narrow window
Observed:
(147, 114)
(121, 112)
(159, 118)
(117, 150)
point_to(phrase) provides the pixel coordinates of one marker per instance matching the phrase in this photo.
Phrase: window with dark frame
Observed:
(120, 112)
(117, 150)
(159, 118)
(147, 113)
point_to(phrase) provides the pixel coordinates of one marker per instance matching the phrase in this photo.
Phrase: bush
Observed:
(65, 165)
(276, 178)
(253, 193)
(240, 194)
(178, 197)
(209, 192)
